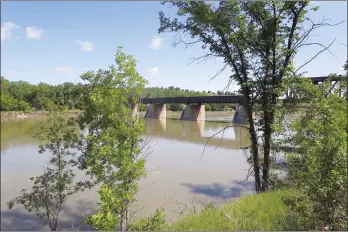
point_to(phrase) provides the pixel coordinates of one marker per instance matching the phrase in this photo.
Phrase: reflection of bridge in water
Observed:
(197, 132)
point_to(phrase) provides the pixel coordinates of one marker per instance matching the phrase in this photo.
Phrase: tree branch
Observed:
(222, 130)
(325, 48)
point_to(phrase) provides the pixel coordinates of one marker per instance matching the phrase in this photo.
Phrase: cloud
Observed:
(85, 45)
(66, 69)
(154, 70)
(156, 42)
(6, 29)
(34, 32)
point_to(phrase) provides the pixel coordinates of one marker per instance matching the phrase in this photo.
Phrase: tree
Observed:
(176, 107)
(257, 41)
(319, 169)
(112, 150)
(51, 190)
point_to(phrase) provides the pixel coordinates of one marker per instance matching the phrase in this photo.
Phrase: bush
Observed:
(8, 103)
(155, 222)
(50, 106)
(63, 108)
(23, 106)
(320, 168)
(142, 107)
(176, 107)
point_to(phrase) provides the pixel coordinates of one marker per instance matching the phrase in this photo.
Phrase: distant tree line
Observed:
(23, 96)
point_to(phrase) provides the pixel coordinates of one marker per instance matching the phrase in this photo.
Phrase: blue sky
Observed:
(55, 42)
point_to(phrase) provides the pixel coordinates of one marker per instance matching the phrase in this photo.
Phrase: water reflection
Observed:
(175, 170)
(198, 132)
(16, 131)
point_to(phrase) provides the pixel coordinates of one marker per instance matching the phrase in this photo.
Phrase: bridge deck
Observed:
(324, 78)
(217, 99)
(193, 100)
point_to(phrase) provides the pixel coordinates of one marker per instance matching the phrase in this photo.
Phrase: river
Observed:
(177, 171)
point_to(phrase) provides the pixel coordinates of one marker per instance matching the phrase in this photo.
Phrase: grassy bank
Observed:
(265, 211)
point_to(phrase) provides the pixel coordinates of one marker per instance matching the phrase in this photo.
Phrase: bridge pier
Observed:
(240, 117)
(193, 113)
(156, 111)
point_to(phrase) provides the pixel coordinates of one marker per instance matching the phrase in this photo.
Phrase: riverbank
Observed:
(21, 114)
(219, 116)
(265, 211)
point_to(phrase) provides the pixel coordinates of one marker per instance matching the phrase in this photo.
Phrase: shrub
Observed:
(154, 222)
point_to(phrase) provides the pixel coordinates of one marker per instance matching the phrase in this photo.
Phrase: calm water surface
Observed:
(176, 171)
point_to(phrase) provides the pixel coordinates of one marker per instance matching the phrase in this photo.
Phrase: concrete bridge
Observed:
(194, 106)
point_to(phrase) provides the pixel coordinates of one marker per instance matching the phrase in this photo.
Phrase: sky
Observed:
(56, 42)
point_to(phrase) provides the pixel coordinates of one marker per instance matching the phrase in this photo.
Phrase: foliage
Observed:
(257, 41)
(154, 222)
(23, 96)
(265, 211)
(51, 190)
(176, 107)
(320, 168)
(112, 150)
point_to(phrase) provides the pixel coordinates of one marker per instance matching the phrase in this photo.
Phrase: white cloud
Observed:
(34, 32)
(156, 42)
(85, 45)
(154, 70)
(6, 29)
(66, 69)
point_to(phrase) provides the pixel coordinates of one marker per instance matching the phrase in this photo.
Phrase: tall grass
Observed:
(265, 211)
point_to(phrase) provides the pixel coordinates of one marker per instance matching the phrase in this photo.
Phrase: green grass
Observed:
(265, 211)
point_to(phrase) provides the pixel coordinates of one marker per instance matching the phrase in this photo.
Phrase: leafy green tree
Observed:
(23, 106)
(51, 190)
(320, 169)
(257, 41)
(7, 102)
(5, 85)
(112, 150)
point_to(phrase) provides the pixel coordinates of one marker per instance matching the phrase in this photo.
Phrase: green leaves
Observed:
(112, 152)
(155, 222)
(320, 167)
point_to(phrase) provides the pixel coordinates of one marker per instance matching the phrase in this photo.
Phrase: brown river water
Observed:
(176, 172)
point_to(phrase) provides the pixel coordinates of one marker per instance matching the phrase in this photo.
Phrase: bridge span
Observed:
(194, 106)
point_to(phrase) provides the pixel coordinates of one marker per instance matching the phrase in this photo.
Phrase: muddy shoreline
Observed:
(31, 114)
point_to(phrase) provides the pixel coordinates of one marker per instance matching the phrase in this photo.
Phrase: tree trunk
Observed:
(254, 148)
(266, 150)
